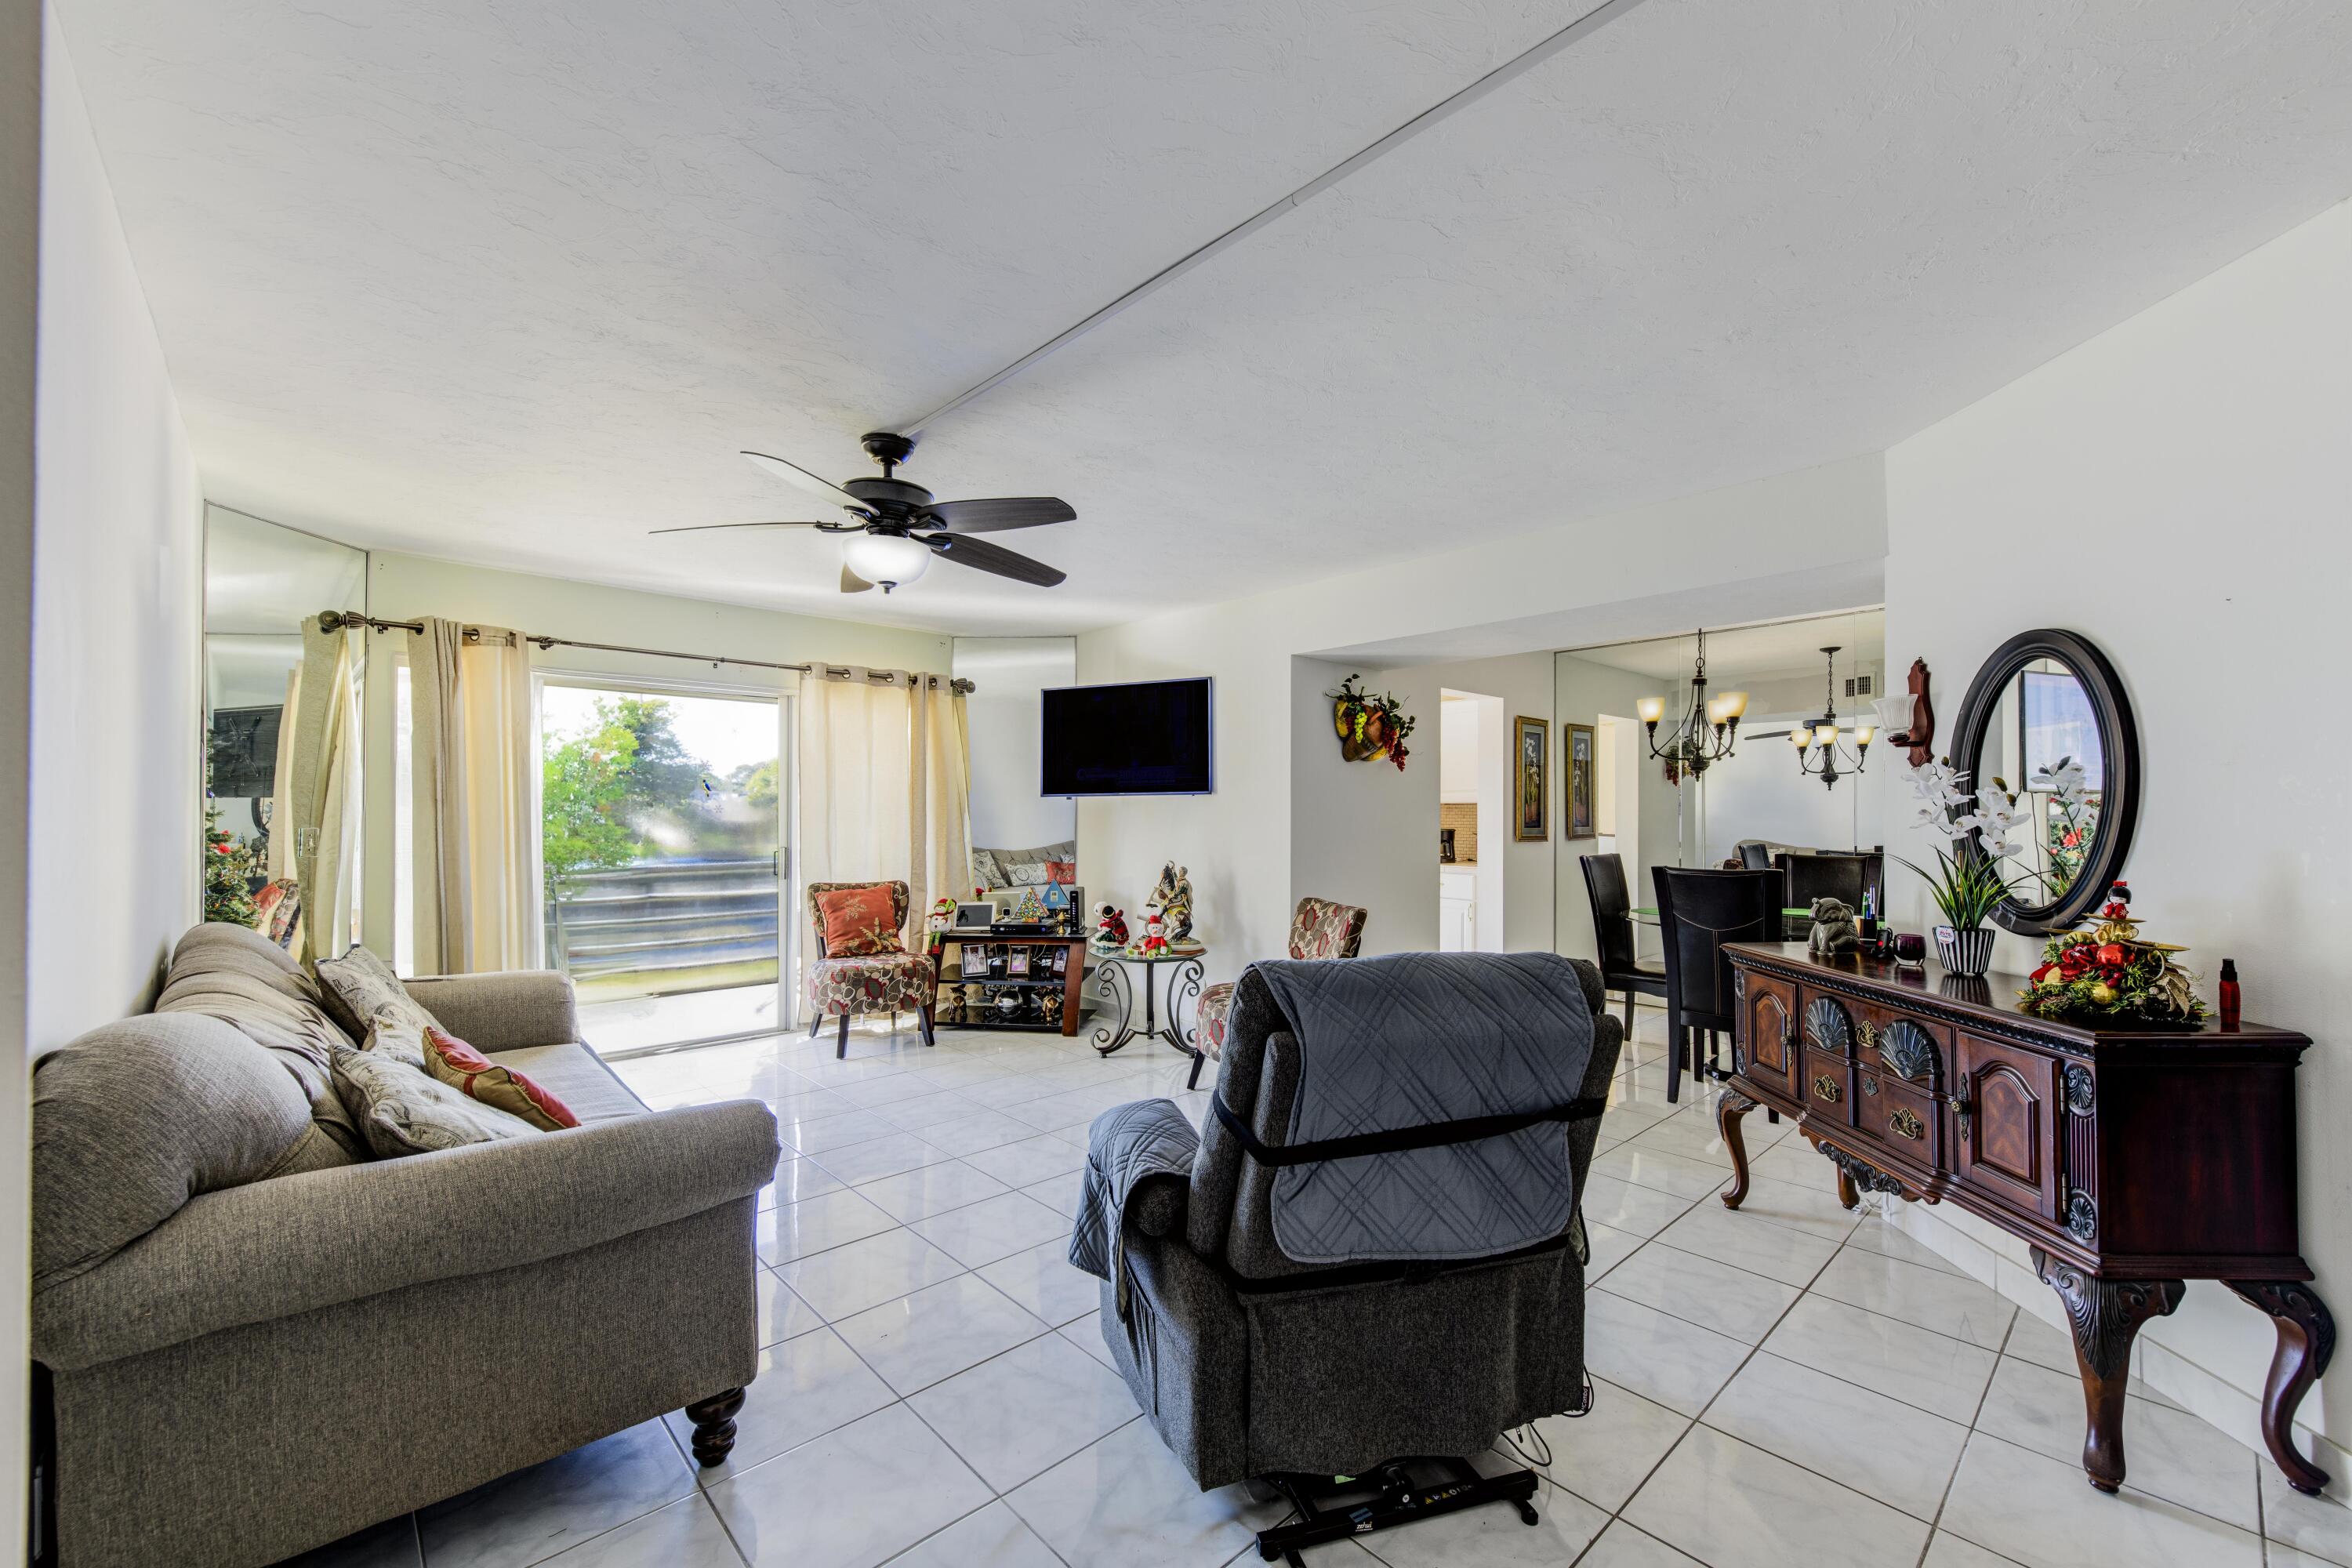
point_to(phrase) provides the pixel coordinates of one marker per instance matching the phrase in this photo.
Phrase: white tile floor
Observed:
(1791, 1384)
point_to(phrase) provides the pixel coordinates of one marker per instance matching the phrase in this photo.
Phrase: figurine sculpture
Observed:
(1834, 930)
(1110, 930)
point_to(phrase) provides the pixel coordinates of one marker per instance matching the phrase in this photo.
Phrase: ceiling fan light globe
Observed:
(892, 560)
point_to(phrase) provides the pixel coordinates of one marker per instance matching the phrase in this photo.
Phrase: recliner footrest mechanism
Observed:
(1332, 1508)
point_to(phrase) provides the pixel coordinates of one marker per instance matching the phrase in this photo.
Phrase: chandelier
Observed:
(1706, 733)
(1818, 747)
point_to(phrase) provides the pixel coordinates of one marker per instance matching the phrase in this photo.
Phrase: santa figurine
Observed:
(1110, 930)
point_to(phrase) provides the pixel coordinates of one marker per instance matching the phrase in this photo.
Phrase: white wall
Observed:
(1004, 713)
(20, 209)
(2175, 489)
(1237, 841)
(117, 606)
(401, 587)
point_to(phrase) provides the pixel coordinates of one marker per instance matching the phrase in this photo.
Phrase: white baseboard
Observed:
(1994, 1258)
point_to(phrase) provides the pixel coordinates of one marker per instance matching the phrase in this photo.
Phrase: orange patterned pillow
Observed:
(859, 920)
(463, 1067)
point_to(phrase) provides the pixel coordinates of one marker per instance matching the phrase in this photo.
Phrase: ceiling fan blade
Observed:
(993, 558)
(851, 583)
(1000, 512)
(793, 474)
(714, 527)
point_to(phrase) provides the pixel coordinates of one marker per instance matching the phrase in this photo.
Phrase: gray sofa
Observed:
(251, 1338)
(1252, 1365)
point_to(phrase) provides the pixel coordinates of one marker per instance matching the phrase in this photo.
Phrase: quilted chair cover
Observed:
(1245, 1368)
(1319, 928)
(869, 982)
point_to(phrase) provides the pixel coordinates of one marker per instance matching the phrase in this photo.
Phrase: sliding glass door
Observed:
(664, 860)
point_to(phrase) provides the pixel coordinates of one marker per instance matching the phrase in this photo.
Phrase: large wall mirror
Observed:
(261, 583)
(2047, 717)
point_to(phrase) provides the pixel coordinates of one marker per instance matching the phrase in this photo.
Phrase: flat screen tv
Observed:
(1150, 738)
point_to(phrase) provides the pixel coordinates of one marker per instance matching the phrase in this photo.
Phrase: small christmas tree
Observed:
(228, 866)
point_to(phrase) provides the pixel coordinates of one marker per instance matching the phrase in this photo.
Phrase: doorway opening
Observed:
(663, 860)
(1474, 775)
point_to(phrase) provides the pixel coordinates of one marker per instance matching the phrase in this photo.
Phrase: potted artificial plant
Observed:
(1970, 879)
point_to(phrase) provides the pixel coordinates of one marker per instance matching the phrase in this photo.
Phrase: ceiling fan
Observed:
(899, 527)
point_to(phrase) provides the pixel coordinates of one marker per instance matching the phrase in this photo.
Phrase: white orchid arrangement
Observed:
(1970, 881)
(2073, 820)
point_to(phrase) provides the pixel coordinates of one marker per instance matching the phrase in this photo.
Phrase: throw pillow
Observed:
(463, 1067)
(859, 920)
(405, 1111)
(359, 990)
(1064, 872)
(277, 911)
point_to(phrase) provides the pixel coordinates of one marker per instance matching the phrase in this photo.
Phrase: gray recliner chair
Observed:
(1370, 1264)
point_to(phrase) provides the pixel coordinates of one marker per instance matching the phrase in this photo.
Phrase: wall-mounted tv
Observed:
(1150, 738)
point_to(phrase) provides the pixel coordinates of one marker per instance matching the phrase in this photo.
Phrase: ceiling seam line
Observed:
(1516, 66)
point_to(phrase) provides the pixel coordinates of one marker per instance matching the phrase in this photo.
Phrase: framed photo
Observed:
(1061, 960)
(1531, 758)
(1020, 964)
(1576, 763)
(975, 961)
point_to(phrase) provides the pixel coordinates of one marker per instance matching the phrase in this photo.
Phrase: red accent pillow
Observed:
(859, 920)
(1066, 872)
(461, 1067)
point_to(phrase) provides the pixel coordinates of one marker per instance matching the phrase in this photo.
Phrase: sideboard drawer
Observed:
(1899, 1115)
(2006, 1109)
(1767, 1032)
(1826, 1083)
(1914, 1049)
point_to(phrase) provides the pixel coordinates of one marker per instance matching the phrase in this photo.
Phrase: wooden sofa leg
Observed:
(924, 1014)
(1193, 1081)
(841, 1043)
(714, 1426)
(814, 1024)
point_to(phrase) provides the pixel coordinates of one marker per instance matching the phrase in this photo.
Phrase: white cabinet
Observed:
(1457, 909)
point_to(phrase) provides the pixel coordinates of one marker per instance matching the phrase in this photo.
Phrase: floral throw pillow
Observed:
(402, 1111)
(461, 1067)
(859, 920)
(361, 991)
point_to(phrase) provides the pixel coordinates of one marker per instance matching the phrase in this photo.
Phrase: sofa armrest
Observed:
(296, 1244)
(504, 1011)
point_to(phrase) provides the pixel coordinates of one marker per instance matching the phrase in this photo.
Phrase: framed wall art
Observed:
(1531, 757)
(1576, 764)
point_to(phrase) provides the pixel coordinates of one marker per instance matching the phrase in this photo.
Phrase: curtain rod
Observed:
(336, 620)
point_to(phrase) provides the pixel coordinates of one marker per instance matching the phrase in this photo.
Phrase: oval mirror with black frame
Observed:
(2047, 716)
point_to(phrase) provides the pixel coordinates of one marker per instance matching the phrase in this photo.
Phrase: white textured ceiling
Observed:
(512, 283)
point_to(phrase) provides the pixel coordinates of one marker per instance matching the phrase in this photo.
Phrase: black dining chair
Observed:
(1698, 912)
(1754, 855)
(1612, 935)
(1810, 877)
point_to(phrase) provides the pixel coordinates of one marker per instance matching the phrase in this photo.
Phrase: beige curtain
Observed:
(475, 821)
(942, 815)
(884, 783)
(324, 818)
(281, 783)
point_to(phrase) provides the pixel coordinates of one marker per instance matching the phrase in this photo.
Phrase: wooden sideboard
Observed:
(2129, 1160)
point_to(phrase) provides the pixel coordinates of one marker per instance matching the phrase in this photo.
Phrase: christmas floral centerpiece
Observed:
(1371, 729)
(1972, 878)
(2105, 971)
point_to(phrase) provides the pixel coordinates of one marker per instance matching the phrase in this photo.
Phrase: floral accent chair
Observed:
(1319, 928)
(844, 984)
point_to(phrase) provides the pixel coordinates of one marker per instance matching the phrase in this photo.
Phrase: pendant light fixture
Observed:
(1818, 744)
(1706, 732)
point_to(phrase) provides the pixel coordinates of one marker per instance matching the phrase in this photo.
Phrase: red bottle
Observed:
(2229, 995)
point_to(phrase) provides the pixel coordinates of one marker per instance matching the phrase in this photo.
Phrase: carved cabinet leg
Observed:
(714, 1426)
(2106, 1315)
(2307, 1343)
(1728, 1112)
